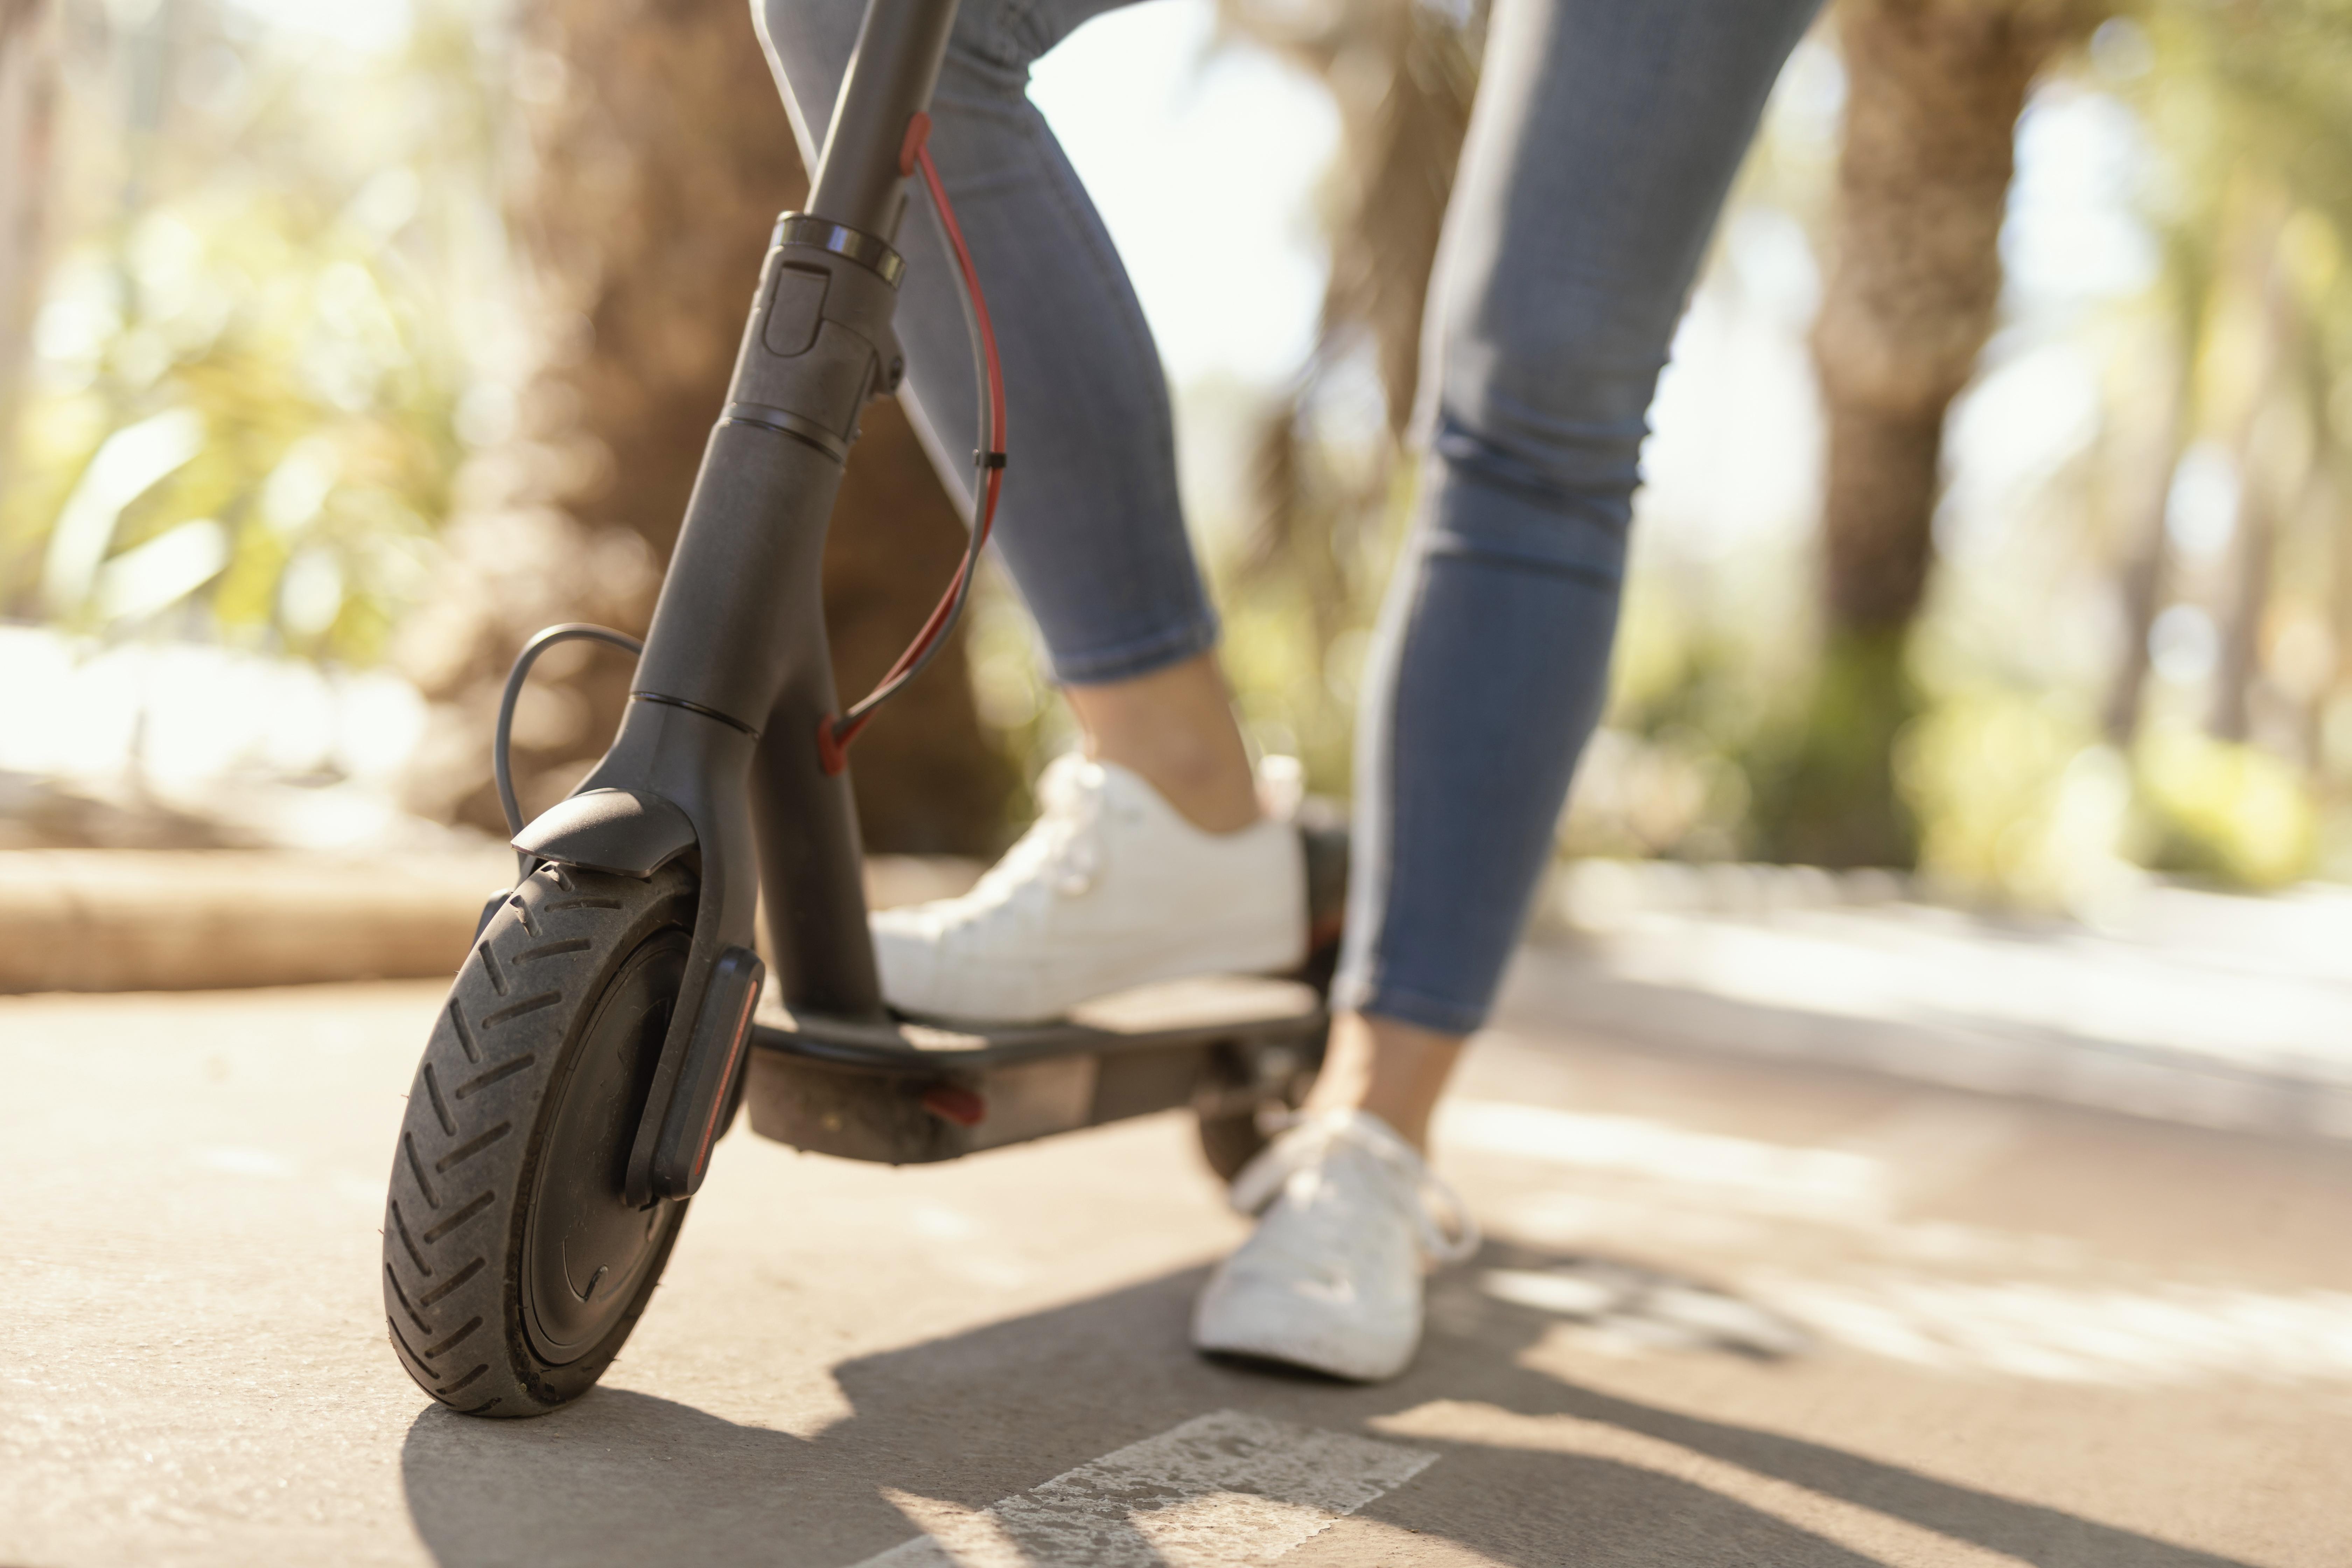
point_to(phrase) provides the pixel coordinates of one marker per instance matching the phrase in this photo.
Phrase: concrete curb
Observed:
(136, 920)
(2249, 1033)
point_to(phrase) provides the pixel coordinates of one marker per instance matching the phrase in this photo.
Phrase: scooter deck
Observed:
(1225, 1007)
(915, 1091)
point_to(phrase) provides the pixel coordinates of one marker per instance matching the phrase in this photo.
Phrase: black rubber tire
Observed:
(1231, 1139)
(1230, 1143)
(568, 989)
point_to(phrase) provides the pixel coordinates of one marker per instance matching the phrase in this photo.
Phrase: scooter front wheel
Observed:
(514, 1268)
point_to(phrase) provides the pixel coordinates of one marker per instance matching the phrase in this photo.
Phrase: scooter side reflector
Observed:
(714, 1056)
(954, 1103)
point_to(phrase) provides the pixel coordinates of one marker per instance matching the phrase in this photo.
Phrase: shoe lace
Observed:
(1063, 848)
(1441, 1221)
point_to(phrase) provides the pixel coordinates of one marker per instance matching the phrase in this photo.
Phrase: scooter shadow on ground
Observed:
(625, 1477)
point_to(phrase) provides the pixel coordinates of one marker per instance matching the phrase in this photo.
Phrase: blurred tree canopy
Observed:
(317, 301)
(28, 68)
(1872, 740)
(361, 352)
(246, 416)
(653, 157)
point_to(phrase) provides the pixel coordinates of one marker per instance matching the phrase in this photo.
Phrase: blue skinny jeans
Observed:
(1605, 135)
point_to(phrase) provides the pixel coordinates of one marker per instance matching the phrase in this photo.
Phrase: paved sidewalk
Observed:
(2185, 1007)
(1732, 1311)
(2213, 1010)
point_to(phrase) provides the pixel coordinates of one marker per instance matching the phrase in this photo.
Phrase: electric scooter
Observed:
(615, 1011)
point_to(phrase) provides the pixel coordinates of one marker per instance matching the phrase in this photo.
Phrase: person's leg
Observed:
(1175, 727)
(1605, 139)
(1390, 1069)
(1089, 522)
(1149, 859)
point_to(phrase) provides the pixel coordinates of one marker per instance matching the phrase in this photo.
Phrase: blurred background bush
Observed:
(1997, 523)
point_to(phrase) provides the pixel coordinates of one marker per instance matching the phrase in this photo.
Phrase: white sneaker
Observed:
(1111, 887)
(1332, 1278)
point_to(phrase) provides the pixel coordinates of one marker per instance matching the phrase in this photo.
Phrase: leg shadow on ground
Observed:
(628, 1477)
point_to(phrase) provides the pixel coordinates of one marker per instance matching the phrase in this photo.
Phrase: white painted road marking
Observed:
(1222, 1490)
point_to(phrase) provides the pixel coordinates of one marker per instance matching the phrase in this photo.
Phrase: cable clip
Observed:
(833, 745)
(988, 460)
(919, 130)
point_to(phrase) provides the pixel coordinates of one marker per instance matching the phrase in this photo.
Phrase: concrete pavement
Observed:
(1732, 1312)
(2214, 1009)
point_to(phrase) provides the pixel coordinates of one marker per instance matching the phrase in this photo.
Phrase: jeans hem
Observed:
(1418, 1008)
(1129, 661)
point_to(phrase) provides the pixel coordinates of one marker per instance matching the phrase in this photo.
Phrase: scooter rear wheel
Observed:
(1231, 1136)
(513, 1267)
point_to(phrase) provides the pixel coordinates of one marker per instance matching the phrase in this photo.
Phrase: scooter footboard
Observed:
(911, 1094)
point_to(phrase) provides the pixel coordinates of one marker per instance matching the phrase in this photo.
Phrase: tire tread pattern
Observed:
(452, 1263)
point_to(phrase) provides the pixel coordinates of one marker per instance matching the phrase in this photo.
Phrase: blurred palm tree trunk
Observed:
(2241, 623)
(2274, 463)
(2147, 493)
(28, 72)
(2332, 498)
(1934, 89)
(659, 156)
(1402, 74)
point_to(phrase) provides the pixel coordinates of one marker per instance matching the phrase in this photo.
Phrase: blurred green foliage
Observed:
(244, 418)
(274, 333)
(2235, 761)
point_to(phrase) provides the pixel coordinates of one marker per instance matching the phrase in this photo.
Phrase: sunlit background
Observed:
(282, 341)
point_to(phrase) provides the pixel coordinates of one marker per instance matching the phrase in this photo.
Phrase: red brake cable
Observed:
(835, 734)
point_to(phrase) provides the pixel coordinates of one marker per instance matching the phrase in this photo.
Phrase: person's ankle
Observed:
(1204, 788)
(1392, 1069)
(1174, 728)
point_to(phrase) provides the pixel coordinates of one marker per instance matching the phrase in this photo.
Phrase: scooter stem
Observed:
(736, 676)
(861, 178)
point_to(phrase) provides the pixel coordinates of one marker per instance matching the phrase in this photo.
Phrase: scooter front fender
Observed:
(628, 832)
(675, 782)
